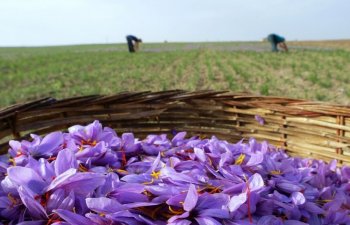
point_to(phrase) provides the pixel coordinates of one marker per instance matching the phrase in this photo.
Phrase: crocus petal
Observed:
(345, 172)
(104, 205)
(182, 216)
(93, 130)
(207, 221)
(260, 119)
(55, 199)
(72, 218)
(288, 187)
(270, 220)
(178, 138)
(237, 201)
(61, 179)
(333, 165)
(298, 198)
(294, 222)
(255, 159)
(280, 197)
(200, 154)
(4, 202)
(154, 164)
(137, 178)
(46, 170)
(34, 207)
(27, 178)
(98, 219)
(68, 202)
(83, 183)
(65, 161)
(218, 213)
(129, 197)
(176, 199)
(212, 201)
(49, 144)
(175, 177)
(256, 182)
(191, 198)
(140, 204)
(313, 208)
(8, 186)
(180, 222)
(37, 222)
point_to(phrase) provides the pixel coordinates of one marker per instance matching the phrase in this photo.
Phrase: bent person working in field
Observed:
(133, 43)
(277, 41)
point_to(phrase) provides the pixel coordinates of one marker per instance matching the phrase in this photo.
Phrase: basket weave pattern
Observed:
(306, 129)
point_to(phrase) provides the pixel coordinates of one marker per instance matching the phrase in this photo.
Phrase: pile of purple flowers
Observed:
(92, 176)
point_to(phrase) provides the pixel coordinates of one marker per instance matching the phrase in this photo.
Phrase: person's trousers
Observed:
(274, 46)
(130, 45)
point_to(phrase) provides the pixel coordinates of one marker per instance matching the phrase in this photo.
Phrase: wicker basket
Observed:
(306, 129)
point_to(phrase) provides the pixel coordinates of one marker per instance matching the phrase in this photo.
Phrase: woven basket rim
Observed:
(316, 129)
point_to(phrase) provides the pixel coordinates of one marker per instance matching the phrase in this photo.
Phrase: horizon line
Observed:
(163, 42)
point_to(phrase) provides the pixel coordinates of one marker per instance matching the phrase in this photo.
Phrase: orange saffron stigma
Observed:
(123, 157)
(18, 154)
(89, 142)
(52, 158)
(248, 200)
(82, 168)
(54, 218)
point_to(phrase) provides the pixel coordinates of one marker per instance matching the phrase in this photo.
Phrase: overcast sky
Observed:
(61, 22)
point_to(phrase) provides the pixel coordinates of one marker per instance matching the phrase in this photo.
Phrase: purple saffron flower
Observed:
(260, 120)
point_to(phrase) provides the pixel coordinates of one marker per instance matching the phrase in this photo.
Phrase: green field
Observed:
(309, 71)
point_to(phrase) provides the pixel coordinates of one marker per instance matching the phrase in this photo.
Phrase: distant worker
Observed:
(277, 41)
(133, 43)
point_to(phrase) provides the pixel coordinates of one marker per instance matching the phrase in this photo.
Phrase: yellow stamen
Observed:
(324, 200)
(275, 172)
(155, 175)
(122, 171)
(12, 161)
(213, 189)
(151, 182)
(162, 154)
(175, 212)
(210, 161)
(240, 159)
(88, 142)
(12, 199)
(147, 193)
